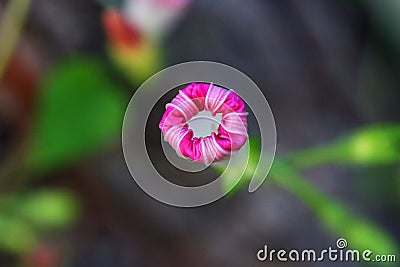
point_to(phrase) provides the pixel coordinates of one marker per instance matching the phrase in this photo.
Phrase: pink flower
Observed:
(232, 132)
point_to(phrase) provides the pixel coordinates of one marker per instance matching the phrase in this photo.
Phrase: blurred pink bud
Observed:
(119, 31)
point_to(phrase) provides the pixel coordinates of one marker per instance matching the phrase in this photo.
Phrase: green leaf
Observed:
(16, 236)
(49, 209)
(79, 111)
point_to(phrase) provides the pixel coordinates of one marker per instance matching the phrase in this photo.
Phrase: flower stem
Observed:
(10, 29)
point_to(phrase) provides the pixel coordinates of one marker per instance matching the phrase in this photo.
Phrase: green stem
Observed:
(317, 156)
(10, 29)
(338, 219)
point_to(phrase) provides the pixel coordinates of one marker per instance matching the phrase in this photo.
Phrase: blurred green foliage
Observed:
(48, 209)
(335, 216)
(375, 145)
(23, 217)
(80, 109)
(17, 236)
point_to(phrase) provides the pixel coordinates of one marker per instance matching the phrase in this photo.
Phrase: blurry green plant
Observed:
(17, 237)
(335, 216)
(48, 209)
(377, 145)
(24, 217)
(80, 109)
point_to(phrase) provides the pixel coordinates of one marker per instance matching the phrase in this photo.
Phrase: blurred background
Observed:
(68, 68)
